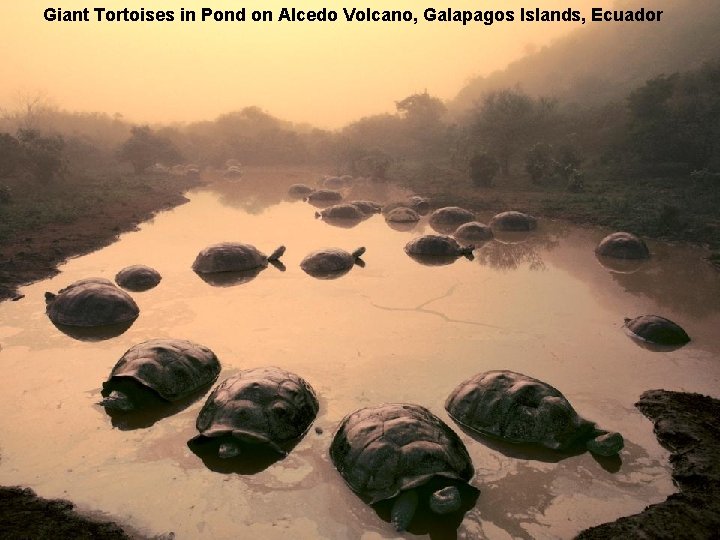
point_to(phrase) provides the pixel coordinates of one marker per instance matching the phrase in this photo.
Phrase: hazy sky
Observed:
(323, 73)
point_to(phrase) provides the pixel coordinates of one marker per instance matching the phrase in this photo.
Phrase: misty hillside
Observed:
(603, 62)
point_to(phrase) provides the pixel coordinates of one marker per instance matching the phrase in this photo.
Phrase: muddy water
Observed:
(393, 331)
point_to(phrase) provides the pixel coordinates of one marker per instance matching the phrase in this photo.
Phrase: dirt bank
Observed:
(34, 253)
(689, 426)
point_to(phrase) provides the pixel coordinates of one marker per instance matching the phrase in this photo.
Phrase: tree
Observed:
(42, 156)
(145, 148)
(10, 155)
(507, 119)
(539, 162)
(483, 169)
(421, 116)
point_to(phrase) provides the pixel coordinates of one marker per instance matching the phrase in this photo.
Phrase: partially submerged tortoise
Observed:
(324, 197)
(473, 231)
(342, 211)
(449, 218)
(171, 369)
(622, 245)
(420, 204)
(430, 246)
(520, 409)
(266, 406)
(91, 302)
(233, 257)
(331, 262)
(657, 330)
(138, 277)
(397, 451)
(513, 221)
(402, 214)
(367, 207)
(299, 190)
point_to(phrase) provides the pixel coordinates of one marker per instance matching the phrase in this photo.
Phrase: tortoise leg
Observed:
(403, 509)
(117, 401)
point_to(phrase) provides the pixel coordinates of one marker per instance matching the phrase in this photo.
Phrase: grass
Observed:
(682, 209)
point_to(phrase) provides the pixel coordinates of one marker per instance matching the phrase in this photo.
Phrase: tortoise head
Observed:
(49, 297)
(117, 401)
(446, 500)
(358, 253)
(275, 255)
(467, 251)
(317, 215)
(605, 443)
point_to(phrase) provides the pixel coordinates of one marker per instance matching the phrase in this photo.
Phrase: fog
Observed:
(322, 73)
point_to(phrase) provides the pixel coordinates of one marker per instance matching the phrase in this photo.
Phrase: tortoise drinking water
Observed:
(657, 330)
(445, 220)
(404, 453)
(520, 409)
(329, 263)
(91, 302)
(171, 369)
(267, 407)
(233, 257)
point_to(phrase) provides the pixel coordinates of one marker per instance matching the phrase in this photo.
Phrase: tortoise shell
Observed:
(513, 221)
(622, 245)
(330, 261)
(172, 368)
(434, 245)
(473, 231)
(517, 408)
(91, 302)
(138, 277)
(229, 257)
(300, 190)
(658, 330)
(449, 218)
(324, 196)
(367, 207)
(342, 211)
(269, 406)
(402, 214)
(381, 451)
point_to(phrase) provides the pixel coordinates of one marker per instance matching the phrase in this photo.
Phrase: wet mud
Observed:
(688, 426)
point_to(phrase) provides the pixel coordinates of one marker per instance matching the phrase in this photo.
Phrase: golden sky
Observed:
(323, 73)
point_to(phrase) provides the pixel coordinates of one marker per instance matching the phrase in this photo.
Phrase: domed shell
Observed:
(449, 218)
(622, 245)
(300, 190)
(420, 204)
(229, 257)
(367, 207)
(518, 409)
(402, 214)
(342, 211)
(658, 330)
(138, 277)
(473, 231)
(91, 302)
(268, 405)
(513, 221)
(436, 245)
(325, 196)
(172, 368)
(330, 261)
(381, 451)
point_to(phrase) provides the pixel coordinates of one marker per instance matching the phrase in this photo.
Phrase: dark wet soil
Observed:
(25, 516)
(32, 255)
(689, 426)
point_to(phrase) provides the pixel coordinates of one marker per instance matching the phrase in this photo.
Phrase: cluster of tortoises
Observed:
(395, 452)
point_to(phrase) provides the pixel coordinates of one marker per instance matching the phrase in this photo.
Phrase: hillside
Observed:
(602, 62)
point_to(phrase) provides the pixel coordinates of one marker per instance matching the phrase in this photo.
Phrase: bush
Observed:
(483, 169)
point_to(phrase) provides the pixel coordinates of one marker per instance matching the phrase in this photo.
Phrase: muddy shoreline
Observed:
(686, 424)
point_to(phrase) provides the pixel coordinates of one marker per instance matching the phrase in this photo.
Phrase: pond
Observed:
(391, 331)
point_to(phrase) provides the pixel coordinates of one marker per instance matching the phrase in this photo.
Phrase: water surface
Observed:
(393, 331)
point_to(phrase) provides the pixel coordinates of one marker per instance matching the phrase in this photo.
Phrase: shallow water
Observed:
(393, 331)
